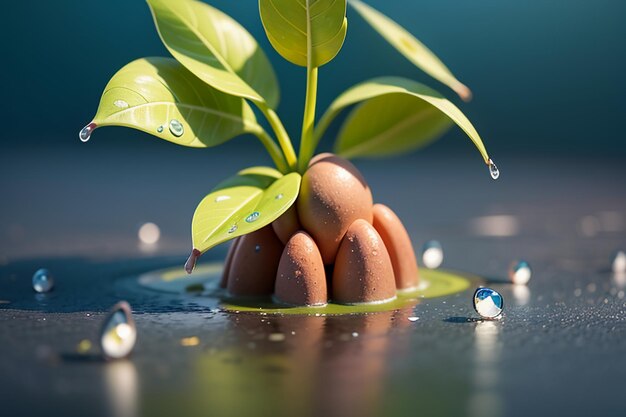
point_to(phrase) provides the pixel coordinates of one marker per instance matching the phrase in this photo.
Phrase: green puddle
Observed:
(205, 280)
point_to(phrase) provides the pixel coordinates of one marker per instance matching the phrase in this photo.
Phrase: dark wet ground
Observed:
(559, 350)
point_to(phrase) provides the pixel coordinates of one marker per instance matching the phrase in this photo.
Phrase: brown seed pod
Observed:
(301, 279)
(398, 244)
(363, 272)
(228, 263)
(255, 262)
(333, 195)
(287, 224)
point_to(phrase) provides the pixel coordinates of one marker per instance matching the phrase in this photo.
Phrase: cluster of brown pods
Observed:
(334, 243)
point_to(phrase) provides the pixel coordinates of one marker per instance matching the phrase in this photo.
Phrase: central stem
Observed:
(281, 135)
(307, 144)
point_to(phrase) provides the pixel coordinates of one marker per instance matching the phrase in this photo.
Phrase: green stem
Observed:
(273, 150)
(307, 144)
(281, 135)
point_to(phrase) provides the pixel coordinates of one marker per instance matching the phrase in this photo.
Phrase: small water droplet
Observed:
(222, 198)
(176, 128)
(257, 248)
(232, 229)
(619, 262)
(118, 334)
(160, 129)
(374, 253)
(279, 196)
(253, 217)
(488, 303)
(493, 170)
(432, 254)
(120, 103)
(43, 281)
(85, 133)
(519, 272)
(191, 261)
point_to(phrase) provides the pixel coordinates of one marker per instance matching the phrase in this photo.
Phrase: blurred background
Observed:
(547, 79)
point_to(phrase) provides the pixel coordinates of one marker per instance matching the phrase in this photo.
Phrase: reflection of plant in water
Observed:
(333, 365)
(203, 98)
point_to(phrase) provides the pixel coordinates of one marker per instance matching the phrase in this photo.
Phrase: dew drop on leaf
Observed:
(493, 170)
(222, 198)
(279, 196)
(85, 133)
(253, 217)
(176, 128)
(160, 129)
(232, 229)
(120, 103)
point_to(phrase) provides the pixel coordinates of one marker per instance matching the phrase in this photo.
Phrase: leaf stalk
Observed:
(307, 142)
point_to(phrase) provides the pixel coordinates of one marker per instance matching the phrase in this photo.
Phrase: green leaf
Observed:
(389, 125)
(411, 48)
(224, 213)
(379, 87)
(216, 48)
(149, 93)
(305, 31)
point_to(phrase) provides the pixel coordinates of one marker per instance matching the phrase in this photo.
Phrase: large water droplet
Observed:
(493, 170)
(488, 303)
(85, 133)
(254, 216)
(191, 261)
(43, 281)
(120, 103)
(432, 254)
(619, 262)
(519, 272)
(232, 229)
(176, 128)
(118, 334)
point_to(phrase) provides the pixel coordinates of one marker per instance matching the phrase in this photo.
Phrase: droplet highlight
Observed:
(176, 128)
(520, 272)
(160, 129)
(118, 334)
(488, 303)
(232, 229)
(493, 170)
(120, 103)
(279, 196)
(43, 281)
(253, 217)
(222, 198)
(85, 133)
(432, 254)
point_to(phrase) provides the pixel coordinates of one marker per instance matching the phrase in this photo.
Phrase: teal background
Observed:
(547, 76)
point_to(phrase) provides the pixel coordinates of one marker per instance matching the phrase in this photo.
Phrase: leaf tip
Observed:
(191, 261)
(464, 92)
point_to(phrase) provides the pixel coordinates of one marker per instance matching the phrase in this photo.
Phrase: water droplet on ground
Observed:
(519, 272)
(43, 281)
(176, 128)
(118, 334)
(488, 303)
(120, 103)
(493, 170)
(432, 254)
(85, 133)
(253, 217)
